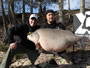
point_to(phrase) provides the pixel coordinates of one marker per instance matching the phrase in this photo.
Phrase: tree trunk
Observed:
(82, 6)
(4, 21)
(31, 6)
(69, 9)
(23, 15)
(44, 9)
(9, 13)
(12, 12)
(61, 11)
(40, 7)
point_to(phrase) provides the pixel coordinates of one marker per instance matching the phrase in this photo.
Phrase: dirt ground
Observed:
(80, 58)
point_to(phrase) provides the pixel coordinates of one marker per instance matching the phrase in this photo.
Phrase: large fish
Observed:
(53, 40)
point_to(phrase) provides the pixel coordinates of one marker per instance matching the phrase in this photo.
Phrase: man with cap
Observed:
(17, 39)
(50, 22)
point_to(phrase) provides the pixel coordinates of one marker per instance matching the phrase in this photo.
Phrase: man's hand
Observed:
(38, 45)
(13, 46)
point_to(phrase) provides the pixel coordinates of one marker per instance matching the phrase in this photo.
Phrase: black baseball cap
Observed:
(50, 11)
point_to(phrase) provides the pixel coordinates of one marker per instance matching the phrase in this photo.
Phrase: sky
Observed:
(74, 4)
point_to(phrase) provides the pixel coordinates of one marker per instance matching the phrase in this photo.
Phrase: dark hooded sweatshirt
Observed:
(54, 25)
(22, 30)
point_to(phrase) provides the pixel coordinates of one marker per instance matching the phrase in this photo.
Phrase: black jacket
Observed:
(22, 30)
(54, 25)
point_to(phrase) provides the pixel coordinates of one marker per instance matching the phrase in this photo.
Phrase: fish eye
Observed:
(31, 35)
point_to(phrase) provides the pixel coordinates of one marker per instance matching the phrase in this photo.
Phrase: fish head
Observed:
(34, 37)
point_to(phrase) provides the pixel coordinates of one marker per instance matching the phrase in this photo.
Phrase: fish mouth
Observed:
(28, 38)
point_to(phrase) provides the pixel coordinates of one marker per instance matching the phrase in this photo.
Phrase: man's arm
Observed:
(11, 34)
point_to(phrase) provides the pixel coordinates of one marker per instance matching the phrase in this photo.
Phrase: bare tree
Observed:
(40, 6)
(14, 20)
(9, 13)
(82, 6)
(69, 8)
(23, 14)
(12, 11)
(4, 21)
(31, 6)
(61, 11)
